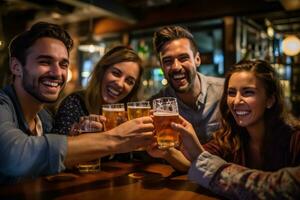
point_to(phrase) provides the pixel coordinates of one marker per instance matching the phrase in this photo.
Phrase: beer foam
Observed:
(139, 107)
(161, 114)
(113, 109)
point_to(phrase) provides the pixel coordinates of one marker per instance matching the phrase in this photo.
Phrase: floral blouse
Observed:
(68, 113)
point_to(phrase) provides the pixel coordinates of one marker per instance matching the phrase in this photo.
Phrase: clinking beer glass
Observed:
(85, 126)
(138, 109)
(165, 111)
(115, 115)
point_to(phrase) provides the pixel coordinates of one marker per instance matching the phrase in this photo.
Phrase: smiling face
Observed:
(247, 99)
(118, 81)
(45, 72)
(179, 64)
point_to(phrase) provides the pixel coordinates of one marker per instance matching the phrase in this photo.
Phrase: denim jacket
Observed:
(23, 155)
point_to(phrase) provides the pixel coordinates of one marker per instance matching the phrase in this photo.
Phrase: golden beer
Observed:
(136, 112)
(165, 111)
(114, 117)
(165, 135)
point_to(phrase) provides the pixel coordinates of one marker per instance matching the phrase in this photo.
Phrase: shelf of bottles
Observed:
(254, 42)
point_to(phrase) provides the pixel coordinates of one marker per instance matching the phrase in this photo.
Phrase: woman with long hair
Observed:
(115, 79)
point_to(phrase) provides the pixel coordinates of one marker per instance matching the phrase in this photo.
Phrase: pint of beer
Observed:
(115, 115)
(165, 111)
(138, 109)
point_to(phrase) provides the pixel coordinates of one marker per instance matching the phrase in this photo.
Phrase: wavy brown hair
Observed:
(231, 136)
(93, 99)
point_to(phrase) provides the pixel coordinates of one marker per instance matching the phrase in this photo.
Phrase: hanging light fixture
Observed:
(291, 45)
(90, 45)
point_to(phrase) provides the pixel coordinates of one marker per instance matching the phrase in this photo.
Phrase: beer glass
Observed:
(115, 115)
(85, 126)
(138, 109)
(165, 111)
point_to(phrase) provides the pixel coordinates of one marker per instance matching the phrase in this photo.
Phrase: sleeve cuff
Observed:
(57, 152)
(204, 168)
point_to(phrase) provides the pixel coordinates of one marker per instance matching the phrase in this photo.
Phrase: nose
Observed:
(120, 82)
(176, 64)
(55, 69)
(238, 99)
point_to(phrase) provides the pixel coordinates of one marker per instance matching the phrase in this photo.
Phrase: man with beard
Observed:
(39, 61)
(197, 95)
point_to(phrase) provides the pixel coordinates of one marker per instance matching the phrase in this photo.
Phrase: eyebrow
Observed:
(244, 88)
(51, 58)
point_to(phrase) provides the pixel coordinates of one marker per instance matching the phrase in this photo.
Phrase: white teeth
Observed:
(52, 84)
(113, 91)
(242, 113)
(178, 76)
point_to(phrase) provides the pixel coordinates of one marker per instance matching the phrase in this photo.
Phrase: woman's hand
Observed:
(92, 123)
(191, 147)
(155, 152)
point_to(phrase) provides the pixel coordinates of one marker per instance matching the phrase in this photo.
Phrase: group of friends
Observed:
(236, 137)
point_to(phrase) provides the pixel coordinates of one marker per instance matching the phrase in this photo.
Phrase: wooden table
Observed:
(113, 182)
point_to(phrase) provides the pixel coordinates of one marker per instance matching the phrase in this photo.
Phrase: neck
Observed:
(29, 105)
(256, 134)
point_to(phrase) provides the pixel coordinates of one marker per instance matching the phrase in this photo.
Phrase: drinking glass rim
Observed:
(139, 104)
(113, 105)
(165, 100)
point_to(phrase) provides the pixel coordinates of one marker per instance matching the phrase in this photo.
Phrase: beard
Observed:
(190, 78)
(33, 90)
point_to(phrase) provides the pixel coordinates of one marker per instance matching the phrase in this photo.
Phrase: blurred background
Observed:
(226, 31)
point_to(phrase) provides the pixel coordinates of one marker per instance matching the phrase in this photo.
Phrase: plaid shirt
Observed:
(237, 182)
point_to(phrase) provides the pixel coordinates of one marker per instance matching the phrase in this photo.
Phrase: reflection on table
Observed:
(116, 181)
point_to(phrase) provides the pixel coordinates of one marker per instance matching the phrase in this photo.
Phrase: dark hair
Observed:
(21, 43)
(170, 33)
(230, 135)
(115, 55)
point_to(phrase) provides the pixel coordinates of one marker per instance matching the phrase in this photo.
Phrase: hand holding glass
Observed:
(115, 115)
(138, 109)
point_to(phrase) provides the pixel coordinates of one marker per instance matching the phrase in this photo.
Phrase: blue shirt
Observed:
(23, 155)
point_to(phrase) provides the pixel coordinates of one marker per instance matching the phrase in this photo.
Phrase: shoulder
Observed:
(72, 99)
(213, 81)
(72, 103)
(164, 92)
(5, 101)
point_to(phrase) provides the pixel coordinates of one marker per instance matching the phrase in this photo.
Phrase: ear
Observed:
(197, 59)
(270, 101)
(16, 67)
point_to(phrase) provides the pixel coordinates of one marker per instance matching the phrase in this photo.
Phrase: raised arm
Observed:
(124, 138)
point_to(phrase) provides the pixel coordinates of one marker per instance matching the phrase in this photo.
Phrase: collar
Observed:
(203, 92)
(201, 97)
(11, 93)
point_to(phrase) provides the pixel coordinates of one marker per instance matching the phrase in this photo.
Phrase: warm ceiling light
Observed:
(270, 32)
(291, 45)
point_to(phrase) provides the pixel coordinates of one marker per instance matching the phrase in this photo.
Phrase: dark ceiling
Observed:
(283, 15)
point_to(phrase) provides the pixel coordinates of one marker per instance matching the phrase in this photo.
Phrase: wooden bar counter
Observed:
(116, 181)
